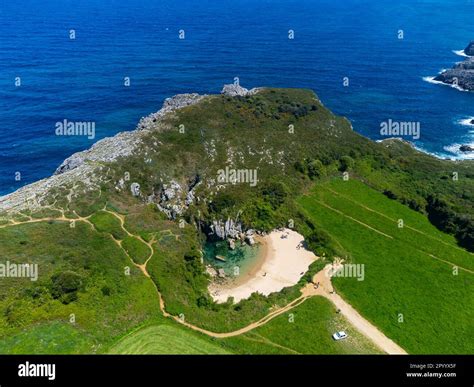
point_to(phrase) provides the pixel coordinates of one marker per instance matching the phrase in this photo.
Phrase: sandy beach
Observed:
(283, 263)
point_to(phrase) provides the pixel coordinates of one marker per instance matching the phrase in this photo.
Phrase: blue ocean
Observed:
(46, 76)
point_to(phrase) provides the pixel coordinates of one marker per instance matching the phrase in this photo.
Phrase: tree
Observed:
(315, 169)
(346, 163)
(65, 286)
(275, 193)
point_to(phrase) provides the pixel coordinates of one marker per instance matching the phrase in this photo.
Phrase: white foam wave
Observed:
(432, 80)
(452, 152)
(454, 149)
(467, 122)
(460, 53)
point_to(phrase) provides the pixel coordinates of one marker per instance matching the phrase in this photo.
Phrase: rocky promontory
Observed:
(81, 166)
(469, 50)
(461, 75)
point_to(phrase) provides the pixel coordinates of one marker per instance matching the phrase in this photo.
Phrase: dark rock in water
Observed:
(461, 75)
(466, 148)
(472, 122)
(469, 50)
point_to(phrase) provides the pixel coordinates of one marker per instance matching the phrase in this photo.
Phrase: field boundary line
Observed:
(353, 219)
(394, 220)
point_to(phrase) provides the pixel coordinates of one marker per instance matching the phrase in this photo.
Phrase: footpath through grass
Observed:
(306, 329)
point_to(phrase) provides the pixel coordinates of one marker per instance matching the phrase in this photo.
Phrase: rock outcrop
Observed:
(461, 75)
(81, 165)
(228, 229)
(469, 50)
(466, 148)
(105, 150)
(170, 105)
(235, 90)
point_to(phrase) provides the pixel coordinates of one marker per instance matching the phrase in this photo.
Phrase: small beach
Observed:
(282, 261)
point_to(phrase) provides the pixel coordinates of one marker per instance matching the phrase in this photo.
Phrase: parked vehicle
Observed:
(339, 335)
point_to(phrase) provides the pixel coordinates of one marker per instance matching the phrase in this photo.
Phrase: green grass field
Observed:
(109, 301)
(49, 338)
(138, 250)
(306, 329)
(107, 223)
(409, 271)
(165, 339)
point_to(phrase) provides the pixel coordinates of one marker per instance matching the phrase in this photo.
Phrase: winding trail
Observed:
(298, 301)
(325, 289)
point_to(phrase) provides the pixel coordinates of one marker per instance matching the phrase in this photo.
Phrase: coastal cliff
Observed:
(131, 216)
(81, 165)
(229, 164)
(461, 75)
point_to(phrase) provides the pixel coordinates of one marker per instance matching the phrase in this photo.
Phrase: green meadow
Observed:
(91, 298)
(418, 286)
(165, 339)
(306, 329)
(87, 294)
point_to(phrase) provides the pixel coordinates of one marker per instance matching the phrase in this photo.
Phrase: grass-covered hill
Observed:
(106, 244)
(291, 139)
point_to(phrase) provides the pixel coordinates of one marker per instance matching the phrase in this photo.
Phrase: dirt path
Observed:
(249, 327)
(326, 290)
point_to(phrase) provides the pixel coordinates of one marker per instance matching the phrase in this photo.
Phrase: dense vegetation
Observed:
(82, 291)
(294, 144)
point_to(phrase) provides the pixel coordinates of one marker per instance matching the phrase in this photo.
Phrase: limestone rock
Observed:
(235, 90)
(135, 188)
(461, 75)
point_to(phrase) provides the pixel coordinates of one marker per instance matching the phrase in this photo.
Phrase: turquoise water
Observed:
(244, 257)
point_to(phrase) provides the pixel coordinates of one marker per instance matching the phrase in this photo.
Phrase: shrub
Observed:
(275, 193)
(65, 286)
(315, 169)
(346, 163)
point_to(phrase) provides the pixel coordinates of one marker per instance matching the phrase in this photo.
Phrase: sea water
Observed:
(238, 262)
(350, 52)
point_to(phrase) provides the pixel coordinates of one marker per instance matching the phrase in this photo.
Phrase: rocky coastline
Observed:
(82, 166)
(461, 75)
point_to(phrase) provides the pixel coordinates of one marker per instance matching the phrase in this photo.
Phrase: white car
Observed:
(339, 335)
